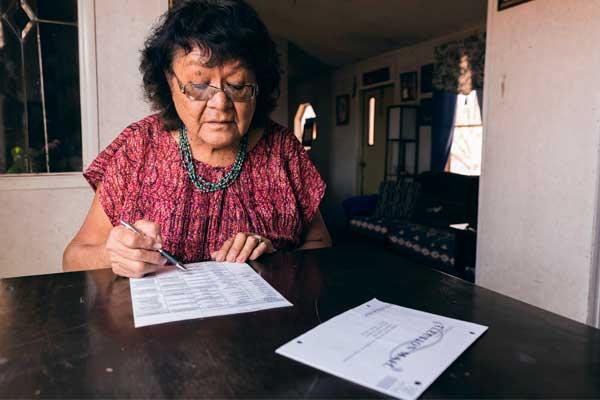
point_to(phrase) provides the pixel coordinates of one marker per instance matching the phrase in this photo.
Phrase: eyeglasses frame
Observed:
(182, 88)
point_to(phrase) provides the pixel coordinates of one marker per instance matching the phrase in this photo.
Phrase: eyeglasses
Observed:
(204, 91)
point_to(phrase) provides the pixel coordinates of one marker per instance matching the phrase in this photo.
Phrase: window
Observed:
(48, 94)
(465, 153)
(371, 137)
(305, 126)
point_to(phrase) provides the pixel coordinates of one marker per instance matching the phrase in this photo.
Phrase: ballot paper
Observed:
(391, 349)
(206, 289)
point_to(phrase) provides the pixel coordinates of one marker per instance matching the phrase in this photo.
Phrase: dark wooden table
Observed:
(72, 336)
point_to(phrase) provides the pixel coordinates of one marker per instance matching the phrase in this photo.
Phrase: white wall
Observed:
(280, 114)
(36, 226)
(539, 184)
(121, 28)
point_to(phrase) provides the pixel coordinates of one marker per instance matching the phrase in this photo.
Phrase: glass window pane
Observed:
(465, 154)
(394, 127)
(12, 105)
(409, 123)
(55, 10)
(61, 85)
(4, 5)
(371, 134)
(393, 158)
(409, 158)
(467, 109)
(40, 117)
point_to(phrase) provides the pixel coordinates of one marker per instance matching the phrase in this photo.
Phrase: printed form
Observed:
(391, 349)
(207, 289)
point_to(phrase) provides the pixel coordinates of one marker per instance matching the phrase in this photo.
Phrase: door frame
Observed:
(361, 132)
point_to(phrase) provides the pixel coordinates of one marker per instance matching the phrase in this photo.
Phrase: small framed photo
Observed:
(408, 86)
(342, 109)
(504, 4)
(427, 78)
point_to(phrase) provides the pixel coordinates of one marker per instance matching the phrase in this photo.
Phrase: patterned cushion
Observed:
(408, 193)
(397, 199)
(424, 241)
(386, 200)
(370, 226)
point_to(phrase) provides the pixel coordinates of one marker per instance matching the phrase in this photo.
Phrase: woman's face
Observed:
(217, 122)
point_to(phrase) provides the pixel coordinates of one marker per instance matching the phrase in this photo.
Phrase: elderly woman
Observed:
(209, 176)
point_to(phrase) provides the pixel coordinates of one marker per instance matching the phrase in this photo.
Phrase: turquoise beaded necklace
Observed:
(202, 184)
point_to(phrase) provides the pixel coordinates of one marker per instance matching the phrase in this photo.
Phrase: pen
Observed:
(162, 252)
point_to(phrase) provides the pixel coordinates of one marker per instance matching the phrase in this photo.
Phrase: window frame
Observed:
(88, 97)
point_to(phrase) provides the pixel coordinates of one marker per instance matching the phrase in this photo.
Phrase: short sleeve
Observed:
(115, 168)
(307, 184)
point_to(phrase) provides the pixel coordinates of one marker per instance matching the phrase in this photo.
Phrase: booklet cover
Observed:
(391, 349)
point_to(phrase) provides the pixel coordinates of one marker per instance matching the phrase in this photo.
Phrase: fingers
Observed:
(131, 239)
(238, 244)
(266, 246)
(133, 255)
(221, 253)
(242, 247)
(258, 251)
(131, 268)
(147, 256)
(251, 244)
(150, 229)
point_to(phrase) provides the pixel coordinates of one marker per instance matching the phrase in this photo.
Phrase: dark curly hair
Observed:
(229, 30)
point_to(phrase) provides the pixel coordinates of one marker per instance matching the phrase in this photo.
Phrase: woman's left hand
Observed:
(243, 246)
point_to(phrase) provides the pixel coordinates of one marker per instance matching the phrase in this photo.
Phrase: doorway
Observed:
(371, 166)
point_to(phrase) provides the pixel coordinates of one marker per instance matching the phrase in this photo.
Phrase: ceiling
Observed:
(340, 32)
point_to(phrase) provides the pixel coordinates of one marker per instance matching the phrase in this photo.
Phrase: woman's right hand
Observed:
(133, 255)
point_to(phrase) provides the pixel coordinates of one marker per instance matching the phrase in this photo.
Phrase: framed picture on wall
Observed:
(408, 86)
(504, 4)
(342, 109)
(427, 78)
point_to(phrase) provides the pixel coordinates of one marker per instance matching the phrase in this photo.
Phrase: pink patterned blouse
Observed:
(276, 195)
